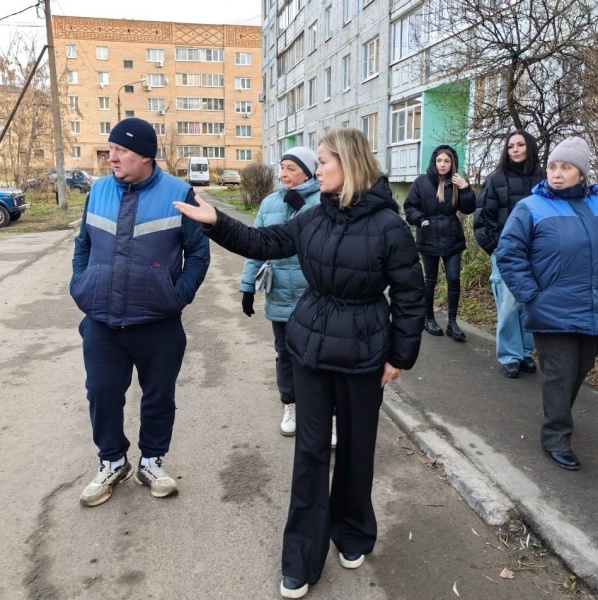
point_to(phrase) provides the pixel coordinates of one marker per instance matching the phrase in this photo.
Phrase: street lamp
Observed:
(118, 95)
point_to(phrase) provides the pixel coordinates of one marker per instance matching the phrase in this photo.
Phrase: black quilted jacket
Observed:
(344, 322)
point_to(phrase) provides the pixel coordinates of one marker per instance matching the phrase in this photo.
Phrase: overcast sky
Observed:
(229, 12)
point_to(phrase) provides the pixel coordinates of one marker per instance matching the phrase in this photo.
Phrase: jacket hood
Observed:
(542, 189)
(309, 187)
(432, 171)
(365, 203)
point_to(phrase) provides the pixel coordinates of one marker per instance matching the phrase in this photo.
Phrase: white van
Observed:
(198, 171)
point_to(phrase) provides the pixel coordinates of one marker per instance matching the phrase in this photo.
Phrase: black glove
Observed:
(294, 200)
(247, 303)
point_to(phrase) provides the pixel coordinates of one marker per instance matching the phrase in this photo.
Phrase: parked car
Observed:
(229, 177)
(76, 179)
(12, 205)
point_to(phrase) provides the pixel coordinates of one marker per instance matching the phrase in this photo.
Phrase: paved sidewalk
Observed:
(483, 429)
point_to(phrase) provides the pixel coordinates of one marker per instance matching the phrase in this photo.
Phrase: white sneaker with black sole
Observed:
(155, 477)
(108, 476)
(289, 424)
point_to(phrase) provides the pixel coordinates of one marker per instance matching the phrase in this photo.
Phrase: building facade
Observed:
(197, 84)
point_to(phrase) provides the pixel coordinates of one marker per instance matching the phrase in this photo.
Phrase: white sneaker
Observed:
(351, 561)
(288, 425)
(333, 439)
(100, 489)
(156, 478)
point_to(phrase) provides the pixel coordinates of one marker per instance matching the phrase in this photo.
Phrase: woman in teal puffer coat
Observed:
(297, 191)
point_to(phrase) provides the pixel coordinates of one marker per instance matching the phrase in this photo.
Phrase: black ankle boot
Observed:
(432, 327)
(453, 330)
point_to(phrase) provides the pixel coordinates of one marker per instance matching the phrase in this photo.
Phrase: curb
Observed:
(492, 505)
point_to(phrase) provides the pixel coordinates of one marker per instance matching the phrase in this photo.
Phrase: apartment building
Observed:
(197, 84)
(363, 64)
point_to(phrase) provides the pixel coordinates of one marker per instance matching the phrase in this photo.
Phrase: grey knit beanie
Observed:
(136, 135)
(303, 157)
(574, 151)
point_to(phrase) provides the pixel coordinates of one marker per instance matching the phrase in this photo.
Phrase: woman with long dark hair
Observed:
(432, 205)
(516, 174)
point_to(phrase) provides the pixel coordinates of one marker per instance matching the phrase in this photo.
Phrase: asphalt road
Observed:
(221, 536)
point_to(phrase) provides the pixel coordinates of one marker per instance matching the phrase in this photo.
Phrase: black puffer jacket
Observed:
(343, 321)
(497, 198)
(444, 236)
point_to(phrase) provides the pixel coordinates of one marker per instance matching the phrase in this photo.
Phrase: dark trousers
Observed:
(565, 360)
(345, 513)
(156, 350)
(284, 363)
(452, 269)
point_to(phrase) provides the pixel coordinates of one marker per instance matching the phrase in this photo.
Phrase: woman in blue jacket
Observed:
(547, 255)
(297, 191)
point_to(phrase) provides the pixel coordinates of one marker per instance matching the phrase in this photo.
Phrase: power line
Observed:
(38, 4)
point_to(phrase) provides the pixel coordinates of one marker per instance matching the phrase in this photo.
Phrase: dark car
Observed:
(76, 179)
(12, 205)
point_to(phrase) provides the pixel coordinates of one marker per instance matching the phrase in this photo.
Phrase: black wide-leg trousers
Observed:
(344, 511)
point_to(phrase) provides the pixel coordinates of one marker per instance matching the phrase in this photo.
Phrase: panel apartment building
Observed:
(363, 64)
(197, 84)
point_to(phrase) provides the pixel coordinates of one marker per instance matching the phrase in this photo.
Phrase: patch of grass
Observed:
(46, 215)
(233, 196)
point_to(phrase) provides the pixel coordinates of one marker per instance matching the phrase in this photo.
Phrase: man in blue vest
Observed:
(137, 264)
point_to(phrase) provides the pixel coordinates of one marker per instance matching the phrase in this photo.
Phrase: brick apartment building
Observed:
(197, 84)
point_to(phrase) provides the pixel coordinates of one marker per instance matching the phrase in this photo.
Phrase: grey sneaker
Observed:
(156, 478)
(100, 489)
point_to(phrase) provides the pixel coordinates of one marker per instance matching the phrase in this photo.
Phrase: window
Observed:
(346, 72)
(242, 58)
(371, 52)
(104, 103)
(76, 152)
(405, 36)
(199, 54)
(103, 77)
(161, 154)
(183, 151)
(188, 79)
(75, 127)
(160, 128)
(129, 89)
(344, 124)
(212, 80)
(71, 51)
(243, 154)
(102, 52)
(243, 131)
(154, 55)
(405, 121)
(369, 127)
(72, 77)
(38, 152)
(242, 83)
(243, 107)
(328, 23)
(327, 83)
(347, 6)
(213, 152)
(210, 128)
(291, 56)
(212, 104)
(311, 140)
(312, 38)
(188, 127)
(74, 102)
(104, 128)
(155, 80)
(129, 114)
(282, 108)
(155, 104)
(127, 64)
(312, 96)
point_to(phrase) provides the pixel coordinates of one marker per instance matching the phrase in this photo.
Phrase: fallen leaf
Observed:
(506, 574)
(475, 532)
(455, 589)
(431, 463)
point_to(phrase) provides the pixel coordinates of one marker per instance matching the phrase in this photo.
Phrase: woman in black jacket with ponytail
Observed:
(432, 205)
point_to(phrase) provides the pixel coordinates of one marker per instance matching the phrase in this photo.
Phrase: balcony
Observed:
(404, 162)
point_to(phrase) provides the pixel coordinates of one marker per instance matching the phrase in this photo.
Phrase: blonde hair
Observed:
(360, 167)
(441, 178)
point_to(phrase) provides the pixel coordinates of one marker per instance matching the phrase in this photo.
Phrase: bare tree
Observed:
(168, 147)
(533, 63)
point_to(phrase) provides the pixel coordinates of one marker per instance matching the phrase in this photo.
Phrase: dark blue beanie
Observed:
(136, 135)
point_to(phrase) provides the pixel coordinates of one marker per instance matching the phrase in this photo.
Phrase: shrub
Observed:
(257, 181)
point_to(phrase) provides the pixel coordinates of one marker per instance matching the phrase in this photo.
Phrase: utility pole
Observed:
(58, 142)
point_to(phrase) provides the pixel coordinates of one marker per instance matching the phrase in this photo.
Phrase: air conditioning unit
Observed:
(247, 115)
(159, 63)
(262, 97)
(161, 112)
(147, 88)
